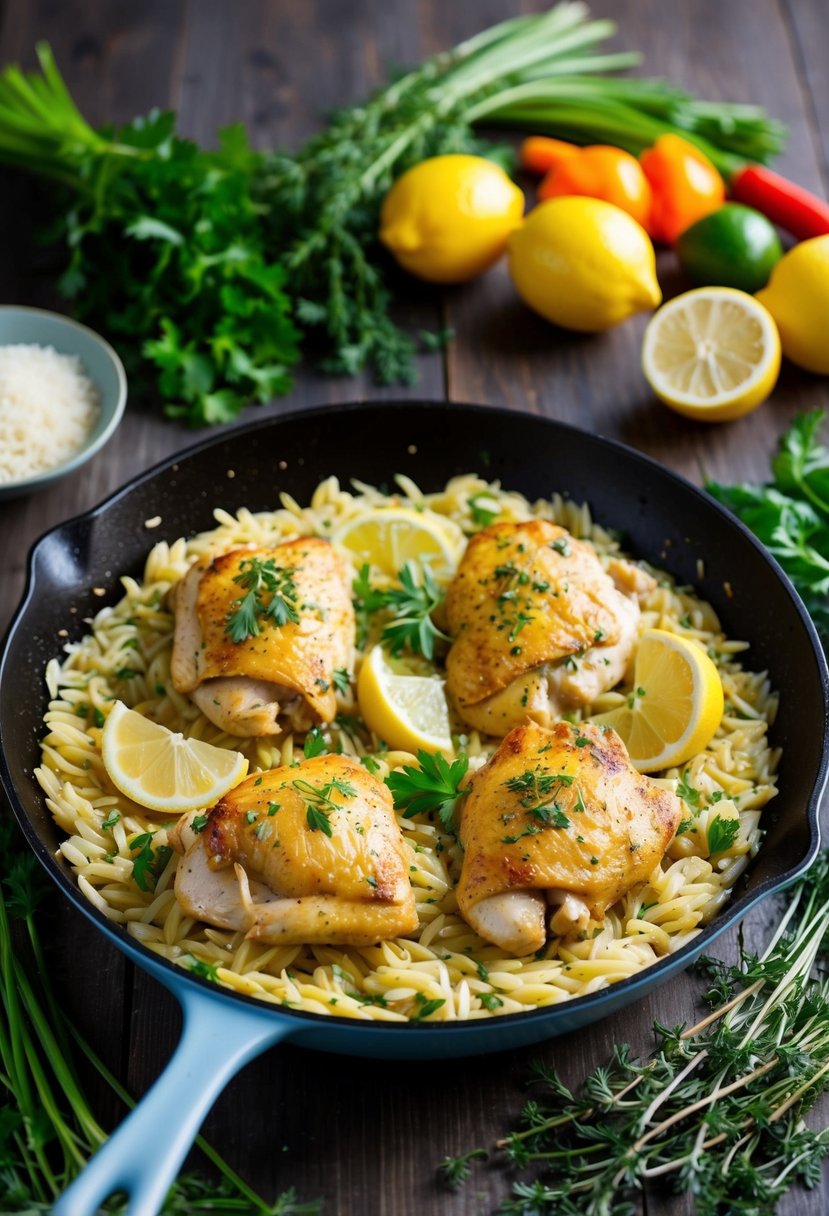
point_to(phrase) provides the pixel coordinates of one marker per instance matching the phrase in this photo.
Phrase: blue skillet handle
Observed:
(142, 1157)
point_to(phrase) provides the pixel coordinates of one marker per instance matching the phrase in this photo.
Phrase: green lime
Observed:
(732, 247)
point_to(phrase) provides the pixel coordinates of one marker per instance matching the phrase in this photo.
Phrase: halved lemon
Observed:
(160, 769)
(387, 537)
(407, 711)
(712, 354)
(675, 706)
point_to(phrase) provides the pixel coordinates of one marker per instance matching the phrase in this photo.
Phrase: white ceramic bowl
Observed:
(37, 327)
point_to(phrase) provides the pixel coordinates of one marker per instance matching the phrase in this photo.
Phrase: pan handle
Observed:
(143, 1155)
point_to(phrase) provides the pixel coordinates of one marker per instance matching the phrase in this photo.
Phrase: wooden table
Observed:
(366, 1135)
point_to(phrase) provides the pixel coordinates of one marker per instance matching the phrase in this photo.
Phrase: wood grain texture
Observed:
(367, 1134)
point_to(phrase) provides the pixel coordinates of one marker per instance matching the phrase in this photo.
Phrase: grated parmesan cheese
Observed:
(48, 408)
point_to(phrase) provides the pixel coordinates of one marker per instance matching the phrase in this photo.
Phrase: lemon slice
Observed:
(408, 712)
(712, 354)
(676, 704)
(162, 770)
(387, 537)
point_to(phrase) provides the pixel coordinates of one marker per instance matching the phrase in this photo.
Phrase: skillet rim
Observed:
(649, 976)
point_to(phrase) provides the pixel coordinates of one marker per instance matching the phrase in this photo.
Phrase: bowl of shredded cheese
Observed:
(62, 394)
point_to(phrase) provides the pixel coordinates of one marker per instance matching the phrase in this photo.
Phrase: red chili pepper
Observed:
(799, 211)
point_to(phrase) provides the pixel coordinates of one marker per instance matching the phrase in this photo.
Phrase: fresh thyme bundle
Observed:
(717, 1110)
(208, 261)
(47, 1129)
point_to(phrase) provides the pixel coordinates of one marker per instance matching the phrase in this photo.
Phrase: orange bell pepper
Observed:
(685, 186)
(539, 153)
(600, 171)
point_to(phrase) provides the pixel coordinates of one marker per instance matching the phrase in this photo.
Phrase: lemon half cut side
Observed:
(675, 706)
(388, 537)
(407, 711)
(161, 770)
(712, 354)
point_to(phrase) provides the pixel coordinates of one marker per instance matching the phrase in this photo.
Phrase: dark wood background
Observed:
(367, 1135)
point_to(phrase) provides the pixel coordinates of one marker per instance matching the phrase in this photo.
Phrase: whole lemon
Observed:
(448, 218)
(797, 296)
(583, 263)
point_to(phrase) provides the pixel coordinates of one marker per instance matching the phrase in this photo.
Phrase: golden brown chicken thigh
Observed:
(557, 817)
(300, 854)
(539, 626)
(259, 634)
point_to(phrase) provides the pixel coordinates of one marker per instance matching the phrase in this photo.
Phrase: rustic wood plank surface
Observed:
(366, 1134)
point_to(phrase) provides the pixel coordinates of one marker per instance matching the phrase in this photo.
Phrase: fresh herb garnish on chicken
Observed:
(319, 802)
(270, 595)
(433, 787)
(411, 606)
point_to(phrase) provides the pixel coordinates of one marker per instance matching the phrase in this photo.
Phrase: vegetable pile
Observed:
(47, 1129)
(218, 265)
(718, 1108)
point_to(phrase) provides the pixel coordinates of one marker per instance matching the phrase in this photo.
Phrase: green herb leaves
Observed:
(432, 788)
(790, 514)
(270, 596)
(319, 802)
(411, 605)
(718, 1108)
(149, 863)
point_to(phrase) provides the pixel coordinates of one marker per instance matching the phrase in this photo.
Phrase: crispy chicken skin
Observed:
(539, 627)
(276, 874)
(283, 674)
(557, 817)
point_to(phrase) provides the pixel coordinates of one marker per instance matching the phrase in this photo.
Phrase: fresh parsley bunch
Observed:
(790, 513)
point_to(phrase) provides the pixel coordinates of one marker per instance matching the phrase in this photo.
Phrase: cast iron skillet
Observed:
(664, 519)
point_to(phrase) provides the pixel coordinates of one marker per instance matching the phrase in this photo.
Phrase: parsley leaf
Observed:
(270, 594)
(342, 680)
(722, 833)
(314, 744)
(149, 863)
(433, 787)
(790, 513)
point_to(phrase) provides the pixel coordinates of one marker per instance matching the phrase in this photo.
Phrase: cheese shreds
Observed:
(48, 407)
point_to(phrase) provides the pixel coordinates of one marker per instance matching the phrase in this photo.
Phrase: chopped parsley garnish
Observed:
(342, 680)
(425, 1007)
(97, 716)
(199, 823)
(314, 744)
(205, 971)
(561, 545)
(688, 793)
(270, 595)
(273, 807)
(722, 833)
(433, 787)
(490, 1000)
(368, 762)
(110, 821)
(685, 825)
(482, 514)
(149, 863)
(320, 804)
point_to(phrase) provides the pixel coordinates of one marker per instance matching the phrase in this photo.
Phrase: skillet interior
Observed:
(662, 518)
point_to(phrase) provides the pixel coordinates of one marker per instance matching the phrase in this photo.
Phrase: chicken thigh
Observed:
(305, 854)
(557, 817)
(539, 626)
(259, 634)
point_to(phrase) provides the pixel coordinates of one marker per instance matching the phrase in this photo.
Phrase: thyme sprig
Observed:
(717, 1109)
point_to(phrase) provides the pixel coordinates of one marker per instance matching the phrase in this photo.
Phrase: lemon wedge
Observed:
(162, 770)
(712, 354)
(387, 537)
(676, 704)
(406, 711)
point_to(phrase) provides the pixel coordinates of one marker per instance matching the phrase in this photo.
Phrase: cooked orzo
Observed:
(443, 971)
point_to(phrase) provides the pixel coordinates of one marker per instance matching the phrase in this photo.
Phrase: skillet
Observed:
(664, 519)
